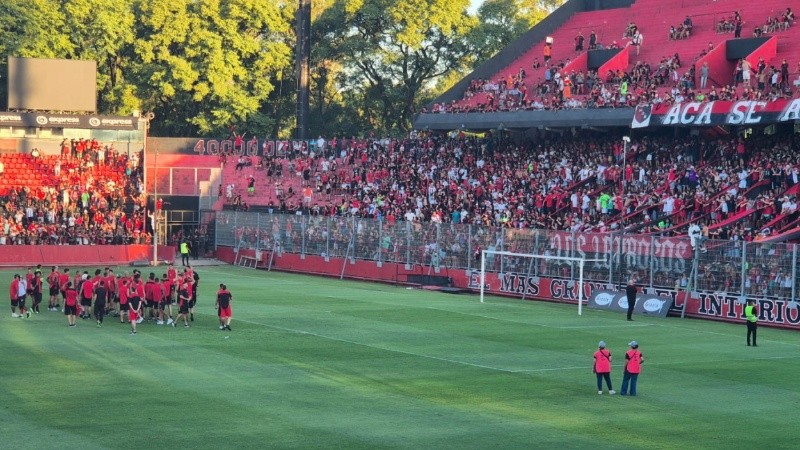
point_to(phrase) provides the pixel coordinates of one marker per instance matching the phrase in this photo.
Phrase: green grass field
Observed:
(320, 363)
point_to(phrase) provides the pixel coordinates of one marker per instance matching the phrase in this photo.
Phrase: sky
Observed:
(475, 5)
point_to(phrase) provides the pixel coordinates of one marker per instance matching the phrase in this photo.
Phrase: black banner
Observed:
(46, 120)
(649, 304)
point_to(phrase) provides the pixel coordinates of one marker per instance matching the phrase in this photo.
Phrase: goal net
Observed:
(523, 263)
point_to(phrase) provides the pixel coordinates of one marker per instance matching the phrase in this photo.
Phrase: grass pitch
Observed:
(319, 363)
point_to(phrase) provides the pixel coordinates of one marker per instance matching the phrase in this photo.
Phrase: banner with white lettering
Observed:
(743, 112)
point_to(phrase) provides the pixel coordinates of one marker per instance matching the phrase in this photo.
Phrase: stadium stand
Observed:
(652, 71)
(81, 193)
(742, 188)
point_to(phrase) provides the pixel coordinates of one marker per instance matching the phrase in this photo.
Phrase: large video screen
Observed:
(52, 84)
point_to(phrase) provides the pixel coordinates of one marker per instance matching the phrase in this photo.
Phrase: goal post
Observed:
(581, 262)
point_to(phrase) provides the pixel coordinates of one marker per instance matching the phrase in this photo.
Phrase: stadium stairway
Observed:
(270, 190)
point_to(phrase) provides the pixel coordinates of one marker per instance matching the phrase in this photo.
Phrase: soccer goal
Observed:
(580, 262)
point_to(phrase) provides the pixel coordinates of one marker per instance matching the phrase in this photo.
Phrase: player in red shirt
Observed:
(86, 288)
(224, 299)
(12, 293)
(70, 303)
(166, 302)
(172, 276)
(63, 279)
(151, 288)
(135, 300)
(111, 286)
(53, 281)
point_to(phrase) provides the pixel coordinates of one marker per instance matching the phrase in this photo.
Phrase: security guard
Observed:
(184, 253)
(751, 317)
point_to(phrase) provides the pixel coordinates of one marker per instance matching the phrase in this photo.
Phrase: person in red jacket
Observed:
(633, 365)
(70, 303)
(602, 368)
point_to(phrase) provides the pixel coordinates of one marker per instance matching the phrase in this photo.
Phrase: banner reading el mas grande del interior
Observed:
(744, 112)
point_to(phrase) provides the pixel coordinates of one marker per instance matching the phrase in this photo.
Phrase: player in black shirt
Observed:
(100, 297)
(630, 292)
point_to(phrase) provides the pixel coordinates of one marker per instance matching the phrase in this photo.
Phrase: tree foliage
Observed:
(204, 65)
(200, 65)
(391, 51)
(209, 64)
(502, 21)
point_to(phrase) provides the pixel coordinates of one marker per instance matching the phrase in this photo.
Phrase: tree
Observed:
(102, 30)
(22, 25)
(391, 50)
(206, 65)
(502, 21)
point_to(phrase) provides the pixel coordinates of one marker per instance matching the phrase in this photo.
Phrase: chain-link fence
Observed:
(738, 267)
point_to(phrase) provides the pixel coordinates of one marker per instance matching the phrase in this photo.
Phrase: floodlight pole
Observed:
(154, 221)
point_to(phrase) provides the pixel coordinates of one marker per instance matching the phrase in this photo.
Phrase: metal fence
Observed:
(745, 268)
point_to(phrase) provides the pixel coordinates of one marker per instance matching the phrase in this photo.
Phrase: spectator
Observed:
(579, 39)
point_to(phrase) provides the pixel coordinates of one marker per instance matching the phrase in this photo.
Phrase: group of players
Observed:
(125, 296)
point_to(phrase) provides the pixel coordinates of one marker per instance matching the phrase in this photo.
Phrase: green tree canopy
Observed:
(391, 50)
(203, 65)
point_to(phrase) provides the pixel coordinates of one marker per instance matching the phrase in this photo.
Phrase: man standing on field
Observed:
(100, 297)
(184, 296)
(135, 300)
(224, 298)
(751, 316)
(633, 365)
(54, 285)
(36, 290)
(630, 293)
(70, 303)
(12, 293)
(22, 294)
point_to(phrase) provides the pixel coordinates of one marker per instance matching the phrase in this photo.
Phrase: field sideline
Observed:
(320, 363)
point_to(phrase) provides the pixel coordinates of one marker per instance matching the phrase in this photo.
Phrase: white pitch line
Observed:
(499, 369)
(402, 352)
(673, 363)
(542, 325)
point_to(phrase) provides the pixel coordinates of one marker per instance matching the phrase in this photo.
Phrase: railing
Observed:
(745, 268)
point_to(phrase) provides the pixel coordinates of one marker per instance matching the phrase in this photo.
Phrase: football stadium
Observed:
(396, 224)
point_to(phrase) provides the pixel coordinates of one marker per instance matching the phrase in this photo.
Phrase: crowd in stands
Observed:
(645, 83)
(683, 30)
(583, 183)
(81, 200)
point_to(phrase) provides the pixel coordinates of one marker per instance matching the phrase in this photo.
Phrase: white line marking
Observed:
(672, 363)
(402, 352)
